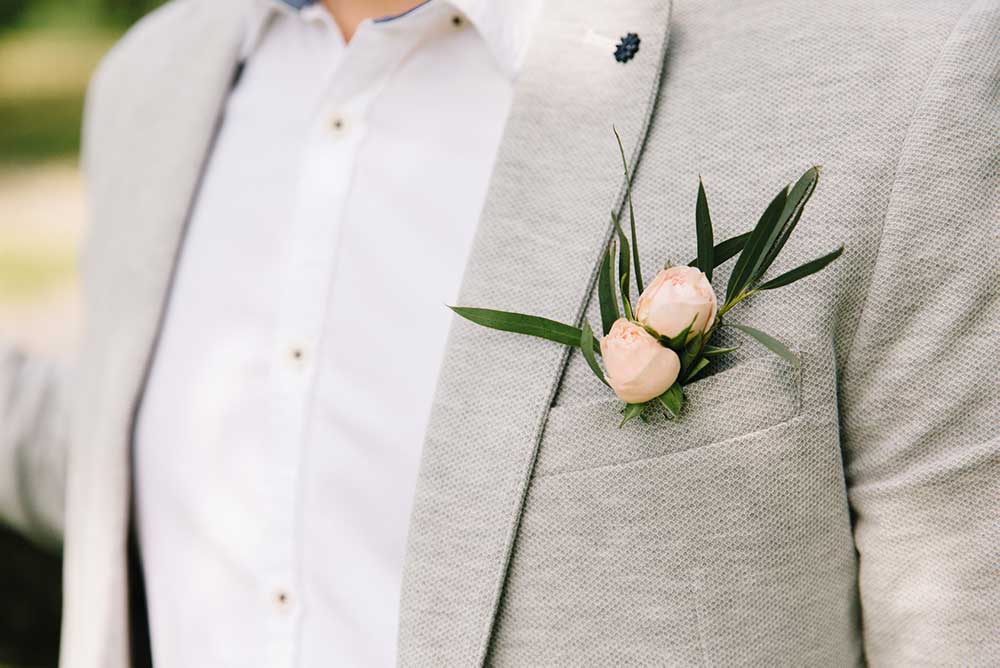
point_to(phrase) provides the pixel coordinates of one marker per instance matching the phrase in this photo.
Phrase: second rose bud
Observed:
(639, 367)
(677, 297)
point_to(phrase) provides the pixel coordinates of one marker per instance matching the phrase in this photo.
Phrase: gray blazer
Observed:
(842, 513)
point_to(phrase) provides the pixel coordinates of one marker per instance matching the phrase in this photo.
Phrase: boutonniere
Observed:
(653, 350)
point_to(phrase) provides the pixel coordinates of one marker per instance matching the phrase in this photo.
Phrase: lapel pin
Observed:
(627, 48)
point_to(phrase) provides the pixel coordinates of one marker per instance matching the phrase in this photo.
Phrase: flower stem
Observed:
(736, 300)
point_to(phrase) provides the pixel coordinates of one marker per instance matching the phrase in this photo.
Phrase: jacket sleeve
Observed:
(33, 439)
(920, 390)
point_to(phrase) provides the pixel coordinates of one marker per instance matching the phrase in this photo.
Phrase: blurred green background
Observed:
(48, 50)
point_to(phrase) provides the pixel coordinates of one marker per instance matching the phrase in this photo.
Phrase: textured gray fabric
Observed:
(841, 513)
(737, 551)
(921, 387)
(151, 111)
(768, 386)
(32, 445)
(766, 389)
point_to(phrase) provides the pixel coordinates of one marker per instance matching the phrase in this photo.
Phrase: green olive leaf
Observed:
(672, 400)
(696, 369)
(631, 411)
(757, 246)
(769, 342)
(520, 323)
(624, 264)
(587, 348)
(724, 250)
(703, 225)
(631, 213)
(713, 351)
(606, 291)
(790, 215)
(691, 352)
(807, 269)
(677, 343)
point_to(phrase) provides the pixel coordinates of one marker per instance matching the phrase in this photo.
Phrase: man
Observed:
(284, 197)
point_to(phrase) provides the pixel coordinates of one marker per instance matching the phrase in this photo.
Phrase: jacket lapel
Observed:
(545, 223)
(151, 117)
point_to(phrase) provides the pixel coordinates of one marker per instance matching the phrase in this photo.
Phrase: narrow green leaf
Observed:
(631, 213)
(790, 215)
(696, 369)
(703, 223)
(769, 342)
(691, 352)
(672, 400)
(725, 249)
(625, 301)
(713, 351)
(801, 271)
(757, 246)
(520, 323)
(624, 264)
(631, 411)
(678, 342)
(606, 291)
(587, 347)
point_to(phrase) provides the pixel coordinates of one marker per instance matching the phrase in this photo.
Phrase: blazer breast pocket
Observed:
(752, 396)
(685, 542)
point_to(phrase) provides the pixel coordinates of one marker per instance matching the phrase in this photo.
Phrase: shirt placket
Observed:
(309, 270)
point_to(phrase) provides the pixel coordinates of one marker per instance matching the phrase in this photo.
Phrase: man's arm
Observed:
(33, 438)
(921, 386)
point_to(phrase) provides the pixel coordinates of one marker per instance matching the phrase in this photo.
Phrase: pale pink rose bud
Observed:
(677, 296)
(639, 367)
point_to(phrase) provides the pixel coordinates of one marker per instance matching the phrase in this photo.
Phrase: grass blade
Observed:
(703, 224)
(757, 246)
(606, 291)
(801, 271)
(587, 347)
(769, 342)
(520, 323)
(631, 213)
(726, 249)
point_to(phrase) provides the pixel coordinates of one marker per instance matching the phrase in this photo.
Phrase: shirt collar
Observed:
(504, 26)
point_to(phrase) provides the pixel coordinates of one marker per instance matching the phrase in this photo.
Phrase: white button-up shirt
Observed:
(279, 436)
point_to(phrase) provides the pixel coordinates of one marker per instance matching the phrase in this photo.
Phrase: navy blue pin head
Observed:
(627, 48)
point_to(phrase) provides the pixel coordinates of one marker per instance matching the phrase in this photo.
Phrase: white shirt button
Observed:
(338, 125)
(282, 600)
(297, 354)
